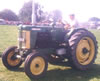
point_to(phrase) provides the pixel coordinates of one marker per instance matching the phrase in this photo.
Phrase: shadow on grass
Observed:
(71, 75)
(21, 69)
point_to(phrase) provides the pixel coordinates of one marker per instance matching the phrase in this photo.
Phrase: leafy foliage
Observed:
(57, 15)
(8, 15)
(26, 12)
(94, 19)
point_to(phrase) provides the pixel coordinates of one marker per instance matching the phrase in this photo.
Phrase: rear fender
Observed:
(68, 36)
(76, 30)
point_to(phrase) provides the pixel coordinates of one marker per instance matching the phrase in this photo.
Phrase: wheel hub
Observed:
(37, 65)
(12, 60)
(13, 57)
(85, 51)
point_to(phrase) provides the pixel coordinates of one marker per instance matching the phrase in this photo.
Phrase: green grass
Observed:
(8, 37)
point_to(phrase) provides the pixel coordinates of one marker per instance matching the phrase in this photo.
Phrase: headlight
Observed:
(21, 39)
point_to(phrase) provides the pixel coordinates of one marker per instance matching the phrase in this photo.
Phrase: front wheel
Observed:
(9, 60)
(35, 65)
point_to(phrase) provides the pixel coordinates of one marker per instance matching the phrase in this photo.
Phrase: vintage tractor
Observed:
(39, 45)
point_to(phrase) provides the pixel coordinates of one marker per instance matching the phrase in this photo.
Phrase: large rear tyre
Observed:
(9, 60)
(35, 65)
(83, 46)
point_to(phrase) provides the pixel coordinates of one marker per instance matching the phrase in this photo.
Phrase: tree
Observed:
(57, 15)
(26, 12)
(94, 19)
(8, 15)
(94, 22)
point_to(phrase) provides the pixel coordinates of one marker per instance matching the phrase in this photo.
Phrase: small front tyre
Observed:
(35, 65)
(9, 60)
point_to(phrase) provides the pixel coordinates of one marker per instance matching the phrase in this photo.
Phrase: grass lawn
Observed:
(8, 37)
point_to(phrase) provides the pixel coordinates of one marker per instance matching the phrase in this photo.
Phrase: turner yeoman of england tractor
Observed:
(40, 45)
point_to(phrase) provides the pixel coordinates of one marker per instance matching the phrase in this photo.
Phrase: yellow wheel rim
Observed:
(12, 62)
(85, 51)
(37, 65)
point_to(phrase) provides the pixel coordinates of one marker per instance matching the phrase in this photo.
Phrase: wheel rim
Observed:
(85, 51)
(37, 65)
(12, 62)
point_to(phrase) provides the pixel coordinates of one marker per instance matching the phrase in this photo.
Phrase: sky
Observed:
(83, 9)
(14, 5)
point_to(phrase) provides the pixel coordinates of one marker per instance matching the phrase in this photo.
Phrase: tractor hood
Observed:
(35, 28)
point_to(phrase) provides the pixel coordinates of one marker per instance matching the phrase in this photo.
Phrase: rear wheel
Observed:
(35, 65)
(9, 60)
(83, 49)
